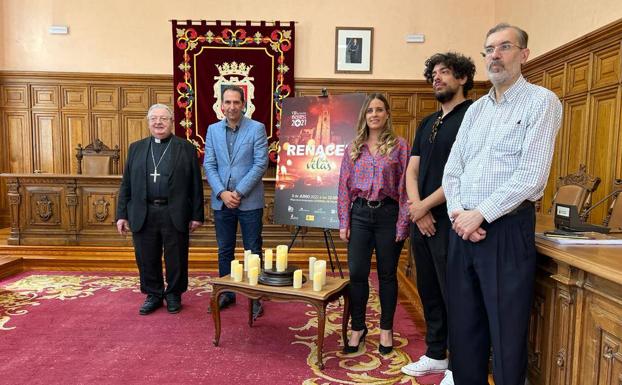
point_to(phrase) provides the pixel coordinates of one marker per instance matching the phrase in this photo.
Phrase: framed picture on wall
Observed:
(353, 50)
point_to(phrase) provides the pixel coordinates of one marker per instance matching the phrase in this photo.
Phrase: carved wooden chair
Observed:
(614, 213)
(576, 190)
(98, 159)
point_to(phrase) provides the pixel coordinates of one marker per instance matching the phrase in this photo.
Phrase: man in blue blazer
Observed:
(236, 158)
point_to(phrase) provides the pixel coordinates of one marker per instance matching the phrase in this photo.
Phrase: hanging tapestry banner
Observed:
(206, 58)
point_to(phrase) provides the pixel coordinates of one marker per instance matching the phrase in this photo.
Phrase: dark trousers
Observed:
(430, 255)
(373, 228)
(490, 290)
(226, 221)
(160, 235)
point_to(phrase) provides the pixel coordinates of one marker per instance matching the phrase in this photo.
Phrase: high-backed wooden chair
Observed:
(576, 189)
(98, 159)
(614, 214)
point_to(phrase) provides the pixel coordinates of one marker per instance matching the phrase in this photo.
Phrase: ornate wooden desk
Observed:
(334, 288)
(575, 335)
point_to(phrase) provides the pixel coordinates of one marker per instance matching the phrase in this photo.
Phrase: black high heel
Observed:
(384, 350)
(347, 349)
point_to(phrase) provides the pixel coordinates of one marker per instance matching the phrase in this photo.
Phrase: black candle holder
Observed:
(271, 277)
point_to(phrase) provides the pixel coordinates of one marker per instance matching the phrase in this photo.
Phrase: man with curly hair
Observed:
(451, 75)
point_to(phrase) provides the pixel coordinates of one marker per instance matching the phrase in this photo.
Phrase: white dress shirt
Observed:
(503, 151)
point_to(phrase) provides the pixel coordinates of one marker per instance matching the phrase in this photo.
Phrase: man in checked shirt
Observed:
(497, 168)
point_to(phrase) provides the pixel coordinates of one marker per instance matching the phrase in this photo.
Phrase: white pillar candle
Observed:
(317, 281)
(254, 261)
(246, 254)
(298, 279)
(280, 262)
(267, 263)
(282, 250)
(238, 273)
(320, 267)
(234, 263)
(311, 266)
(253, 275)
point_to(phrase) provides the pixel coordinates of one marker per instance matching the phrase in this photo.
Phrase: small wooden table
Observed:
(334, 288)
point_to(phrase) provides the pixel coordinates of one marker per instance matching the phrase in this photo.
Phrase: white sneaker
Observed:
(425, 366)
(448, 378)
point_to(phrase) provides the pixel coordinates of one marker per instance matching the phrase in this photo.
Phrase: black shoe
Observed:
(151, 304)
(257, 309)
(224, 301)
(353, 349)
(173, 303)
(384, 350)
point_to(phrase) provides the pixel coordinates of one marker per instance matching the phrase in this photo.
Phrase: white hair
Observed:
(158, 106)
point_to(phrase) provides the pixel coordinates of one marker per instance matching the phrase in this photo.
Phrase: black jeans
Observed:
(430, 255)
(373, 228)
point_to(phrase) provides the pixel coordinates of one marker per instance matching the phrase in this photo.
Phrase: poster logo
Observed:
(298, 119)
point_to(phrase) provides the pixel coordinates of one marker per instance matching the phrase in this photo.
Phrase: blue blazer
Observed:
(245, 167)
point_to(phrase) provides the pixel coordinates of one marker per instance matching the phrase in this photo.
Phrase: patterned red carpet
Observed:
(84, 328)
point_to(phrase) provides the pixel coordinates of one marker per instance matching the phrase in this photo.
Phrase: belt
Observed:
(374, 204)
(522, 206)
(158, 202)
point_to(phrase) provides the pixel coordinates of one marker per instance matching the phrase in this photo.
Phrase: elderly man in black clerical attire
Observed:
(161, 203)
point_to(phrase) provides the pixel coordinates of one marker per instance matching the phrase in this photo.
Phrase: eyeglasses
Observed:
(435, 126)
(503, 48)
(159, 119)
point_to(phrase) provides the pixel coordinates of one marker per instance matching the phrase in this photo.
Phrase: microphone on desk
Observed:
(614, 192)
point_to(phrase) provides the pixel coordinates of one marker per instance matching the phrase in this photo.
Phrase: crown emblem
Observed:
(234, 68)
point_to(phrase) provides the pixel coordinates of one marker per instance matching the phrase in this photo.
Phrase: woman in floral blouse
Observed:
(373, 215)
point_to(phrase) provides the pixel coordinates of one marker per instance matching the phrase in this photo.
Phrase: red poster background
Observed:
(306, 185)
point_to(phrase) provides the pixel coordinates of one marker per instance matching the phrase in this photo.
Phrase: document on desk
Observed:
(580, 238)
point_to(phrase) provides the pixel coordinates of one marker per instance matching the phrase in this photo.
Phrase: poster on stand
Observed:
(313, 137)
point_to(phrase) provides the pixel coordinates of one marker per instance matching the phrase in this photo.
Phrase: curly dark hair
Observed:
(461, 66)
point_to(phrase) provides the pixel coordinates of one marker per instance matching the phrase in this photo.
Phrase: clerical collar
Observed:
(162, 140)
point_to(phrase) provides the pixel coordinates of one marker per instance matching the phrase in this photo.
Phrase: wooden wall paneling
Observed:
(425, 105)
(17, 146)
(578, 78)
(76, 130)
(618, 145)
(106, 128)
(134, 127)
(45, 97)
(47, 143)
(135, 99)
(606, 68)
(74, 97)
(604, 127)
(554, 80)
(105, 98)
(536, 78)
(402, 127)
(575, 134)
(14, 96)
(161, 95)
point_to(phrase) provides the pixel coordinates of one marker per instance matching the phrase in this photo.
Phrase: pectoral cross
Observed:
(155, 175)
